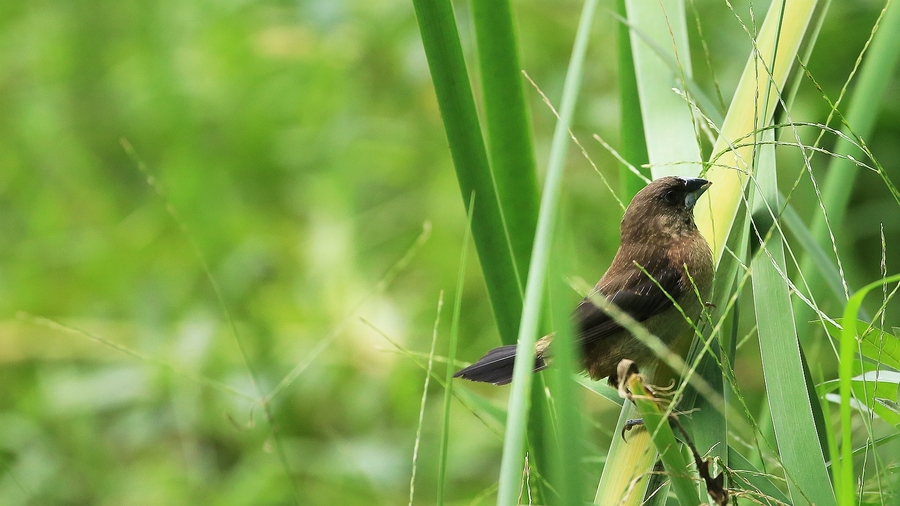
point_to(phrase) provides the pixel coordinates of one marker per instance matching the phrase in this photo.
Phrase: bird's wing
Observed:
(641, 300)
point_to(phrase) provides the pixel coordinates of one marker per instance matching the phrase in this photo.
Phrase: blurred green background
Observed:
(300, 147)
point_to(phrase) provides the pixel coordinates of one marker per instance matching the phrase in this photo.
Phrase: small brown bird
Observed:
(659, 237)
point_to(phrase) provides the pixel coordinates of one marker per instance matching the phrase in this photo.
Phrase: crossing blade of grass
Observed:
(486, 410)
(514, 442)
(845, 484)
(443, 50)
(451, 356)
(479, 406)
(872, 394)
(634, 145)
(792, 413)
(746, 477)
(508, 126)
(657, 424)
(600, 389)
(668, 121)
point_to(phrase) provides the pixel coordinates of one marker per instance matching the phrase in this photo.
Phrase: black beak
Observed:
(695, 184)
(695, 187)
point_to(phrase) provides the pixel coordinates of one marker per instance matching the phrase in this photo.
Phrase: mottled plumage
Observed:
(659, 237)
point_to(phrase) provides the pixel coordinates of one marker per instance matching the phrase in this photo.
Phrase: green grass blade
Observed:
(657, 424)
(428, 373)
(493, 415)
(668, 120)
(599, 388)
(512, 164)
(792, 413)
(695, 92)
(443, 50)
(451, 358)
(880, 346)
(513, 444)
(568, 469)
(845, 483)
(143, 357)
(872, 392)
(508, 126)
(633, 145)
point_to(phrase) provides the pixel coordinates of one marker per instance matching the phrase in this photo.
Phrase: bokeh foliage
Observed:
(301, 147)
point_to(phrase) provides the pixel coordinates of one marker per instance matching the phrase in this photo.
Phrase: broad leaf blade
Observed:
(440, 38)
(790, 405)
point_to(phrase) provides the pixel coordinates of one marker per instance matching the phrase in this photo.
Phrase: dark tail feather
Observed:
(496, 367)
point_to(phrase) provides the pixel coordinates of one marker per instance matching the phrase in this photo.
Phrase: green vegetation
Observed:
(232, 239)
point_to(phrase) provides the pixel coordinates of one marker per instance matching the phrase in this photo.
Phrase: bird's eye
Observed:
(671, 196)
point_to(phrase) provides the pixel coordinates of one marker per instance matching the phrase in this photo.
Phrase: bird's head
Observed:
(665, 207)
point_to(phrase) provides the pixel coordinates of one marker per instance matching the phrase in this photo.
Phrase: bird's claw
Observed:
(630, 424)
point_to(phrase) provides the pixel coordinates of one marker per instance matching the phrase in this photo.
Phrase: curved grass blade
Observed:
(746, 477)
(876, 344)
(844, 478)
(873, 393)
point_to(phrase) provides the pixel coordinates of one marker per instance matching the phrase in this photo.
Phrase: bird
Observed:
(662, 259)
